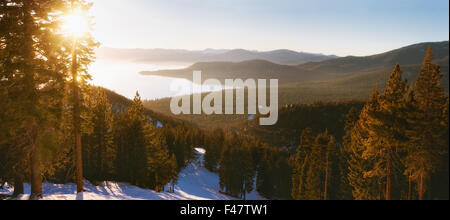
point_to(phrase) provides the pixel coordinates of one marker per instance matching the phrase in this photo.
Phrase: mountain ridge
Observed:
(281, 56)
(328, 70)
(412, 54)
(305, 86)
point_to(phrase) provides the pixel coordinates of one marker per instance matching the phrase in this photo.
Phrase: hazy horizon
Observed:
(349, 27)
(255, 50)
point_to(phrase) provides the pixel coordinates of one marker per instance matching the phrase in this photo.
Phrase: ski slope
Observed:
(194, 183)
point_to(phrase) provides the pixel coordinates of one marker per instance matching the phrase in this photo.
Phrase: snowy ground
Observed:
(194, 183)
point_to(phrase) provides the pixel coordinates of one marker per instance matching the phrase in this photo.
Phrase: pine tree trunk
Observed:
(33, 101)
(326, 181)
(79, 164)
(421, 187)
(157, 185)
(36, 181)
(77, 122)
(18, 185)
(388, 178)
(410, 187)
(100, 175)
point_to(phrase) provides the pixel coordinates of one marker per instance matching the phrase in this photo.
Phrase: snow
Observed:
(194, 183)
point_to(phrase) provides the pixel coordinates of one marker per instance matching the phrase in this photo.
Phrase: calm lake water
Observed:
(123, 77)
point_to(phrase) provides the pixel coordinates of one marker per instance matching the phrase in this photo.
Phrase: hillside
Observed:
(288, 94)
(120, 102)
(293, 119)
(253, 69)
(194, 183)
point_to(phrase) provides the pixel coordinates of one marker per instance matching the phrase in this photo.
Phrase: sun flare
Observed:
(76, 24)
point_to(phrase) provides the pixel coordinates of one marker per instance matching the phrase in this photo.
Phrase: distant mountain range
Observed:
(339, 70)
(336, 80)
(286, 57)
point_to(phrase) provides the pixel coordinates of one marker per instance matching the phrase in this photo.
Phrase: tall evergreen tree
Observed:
(410, 110)
(274, 172)
(214, 145)
(82, 54)
(426, 133)
(33, 72)
(161, 166)
(316, 174)
(99, 152)
(300, 165)
(133, 142)
(331, 170)
(385, 132)
(364, 187)
(345, 152)
(236, 167)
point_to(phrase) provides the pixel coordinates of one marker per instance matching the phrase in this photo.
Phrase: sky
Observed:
(344, 27)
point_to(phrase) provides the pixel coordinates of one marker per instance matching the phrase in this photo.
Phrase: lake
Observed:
(123, 77)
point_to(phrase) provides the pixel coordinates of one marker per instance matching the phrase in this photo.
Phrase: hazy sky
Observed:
(341, 27)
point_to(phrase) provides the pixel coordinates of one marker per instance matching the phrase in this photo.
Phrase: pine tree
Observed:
(331, 170)
(345, 152)
(236, 167)
(384, 127)
(82, 49)
(313, 180)
(316, 176)
(33, 73)
(173, 171)
(132, 129)
(266, 180)
(364, 187)
(99, 152)
(264, 184)
(121, 142)
(246, 163)
(225, 169)
(426, 135)
(136, 142)
(281, 172)
(410, 109)
(300, 165)
(214, 145)
(161, 166)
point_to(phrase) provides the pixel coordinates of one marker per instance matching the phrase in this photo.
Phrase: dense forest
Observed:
(395, 146)
(56, 127)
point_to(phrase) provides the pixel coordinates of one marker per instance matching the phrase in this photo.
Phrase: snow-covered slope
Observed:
(194, 183)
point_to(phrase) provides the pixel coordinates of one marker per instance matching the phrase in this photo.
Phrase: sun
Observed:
(76, 24)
